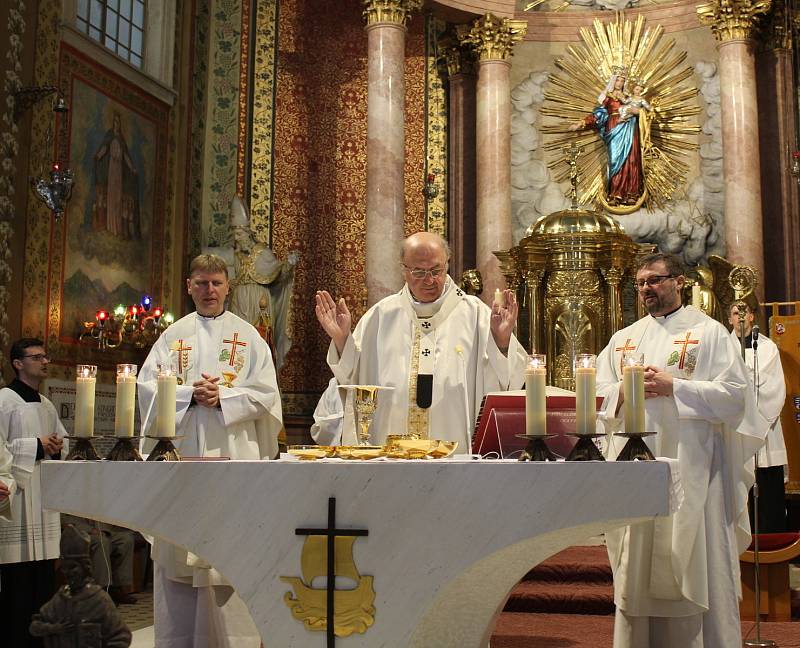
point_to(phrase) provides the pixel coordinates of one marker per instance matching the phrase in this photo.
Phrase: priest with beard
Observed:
(676, 578)
(439, 349)
(227, 405)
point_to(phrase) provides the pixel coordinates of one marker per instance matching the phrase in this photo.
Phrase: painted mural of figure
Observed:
(116, 187)
(617, 120)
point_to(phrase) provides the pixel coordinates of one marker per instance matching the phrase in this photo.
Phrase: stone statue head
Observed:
(76, 564)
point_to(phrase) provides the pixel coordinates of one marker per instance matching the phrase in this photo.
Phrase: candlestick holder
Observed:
(635, 448)
(124, 450)
(537, 449)
(164, 450)
(82, 449)
(585, 449)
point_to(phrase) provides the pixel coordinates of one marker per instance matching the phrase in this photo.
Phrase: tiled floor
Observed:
(139, 615)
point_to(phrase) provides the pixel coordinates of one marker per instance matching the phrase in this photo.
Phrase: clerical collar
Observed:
(429, 309)
(666, 315)
(25, 391)
(210, 317)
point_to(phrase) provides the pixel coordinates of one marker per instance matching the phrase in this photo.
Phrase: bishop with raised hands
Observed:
(439, 349)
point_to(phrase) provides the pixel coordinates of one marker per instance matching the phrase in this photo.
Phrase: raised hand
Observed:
(334, 317)
(504, 319)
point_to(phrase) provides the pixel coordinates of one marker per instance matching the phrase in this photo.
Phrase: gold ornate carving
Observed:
(732, 19)
(354, 609)
(389, 11)
(664, 132)
(491, 37)
(585, 282)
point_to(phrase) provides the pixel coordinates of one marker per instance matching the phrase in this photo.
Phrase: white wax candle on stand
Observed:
(167, 382)
(126, 400)
(498, 297)
(633, 392)
(585, 393)
(535, 395)
(697, 296)
(86, 378)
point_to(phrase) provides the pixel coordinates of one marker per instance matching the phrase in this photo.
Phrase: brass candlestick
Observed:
(82, 449)
(537, 449)
(635, 448)
(165, 450)
(124, 450)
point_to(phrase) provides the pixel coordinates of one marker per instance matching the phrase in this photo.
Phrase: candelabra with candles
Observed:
(138, 325)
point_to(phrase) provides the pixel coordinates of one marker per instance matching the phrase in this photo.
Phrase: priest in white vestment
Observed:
(770, 397)
(676, 579)
(227, 405)
(32, 431)
(437, 348)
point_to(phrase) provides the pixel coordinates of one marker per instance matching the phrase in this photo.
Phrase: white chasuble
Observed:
(33, 532)
(770, 398)
(665, 567)
(457, 347)
(244, 426)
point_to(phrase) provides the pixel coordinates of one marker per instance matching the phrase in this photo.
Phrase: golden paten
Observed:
(310, 452)
(354, 609)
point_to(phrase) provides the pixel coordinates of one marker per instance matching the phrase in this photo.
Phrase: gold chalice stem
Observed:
(365, 409)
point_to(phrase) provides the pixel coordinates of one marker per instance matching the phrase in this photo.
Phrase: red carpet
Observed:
(568, 602)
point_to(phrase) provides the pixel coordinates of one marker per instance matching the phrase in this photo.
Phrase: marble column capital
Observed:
(732, 19)
(492, 38)
(389, 11)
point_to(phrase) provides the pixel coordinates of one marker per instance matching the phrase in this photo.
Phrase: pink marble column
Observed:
(385, 155)
(493, 173)
(741, 167)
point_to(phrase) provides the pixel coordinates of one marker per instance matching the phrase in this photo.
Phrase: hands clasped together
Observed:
(657, 382)
(51, 444)
(206, 391)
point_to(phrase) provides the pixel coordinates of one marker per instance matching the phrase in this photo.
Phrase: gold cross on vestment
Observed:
(685, 343)
(181, 350)
(234, 343)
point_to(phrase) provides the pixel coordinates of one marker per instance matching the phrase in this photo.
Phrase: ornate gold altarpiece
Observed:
(571, 267)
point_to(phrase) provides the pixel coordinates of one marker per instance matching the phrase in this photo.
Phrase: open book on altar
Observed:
(502, 418)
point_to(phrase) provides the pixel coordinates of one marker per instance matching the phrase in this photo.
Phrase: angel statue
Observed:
(261, 287)
(635, 131)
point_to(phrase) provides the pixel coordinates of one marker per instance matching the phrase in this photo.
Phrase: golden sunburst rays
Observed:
(667, 132)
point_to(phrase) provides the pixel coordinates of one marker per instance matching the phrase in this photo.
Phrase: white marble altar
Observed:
(447, 539)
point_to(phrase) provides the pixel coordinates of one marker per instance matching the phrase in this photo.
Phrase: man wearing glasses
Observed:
(439, 349)
(676, 578)
(29, 425)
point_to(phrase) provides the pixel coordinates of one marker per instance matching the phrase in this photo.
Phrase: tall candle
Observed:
(84, 400)
(165, 403)
(535, 397)
(498, 297)
(633, 393)
(697, 296)
(585, 393)
(126, 400)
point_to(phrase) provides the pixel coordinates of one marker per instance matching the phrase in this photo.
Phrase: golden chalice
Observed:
(366, 400)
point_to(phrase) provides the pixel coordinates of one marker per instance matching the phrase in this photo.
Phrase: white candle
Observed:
(498, 297)
(535, 396)
(697, 296)
(84, 400)
(633, 393)
(585, 394)
(126, 400)
(165, 404)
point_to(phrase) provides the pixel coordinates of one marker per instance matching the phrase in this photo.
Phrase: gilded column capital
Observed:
(389, 11)
(491, 37)
(732, 19)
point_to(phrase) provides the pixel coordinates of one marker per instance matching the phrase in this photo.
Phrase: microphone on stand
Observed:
(755, 332)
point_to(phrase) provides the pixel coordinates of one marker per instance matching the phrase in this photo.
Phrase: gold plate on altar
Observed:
(310, 452)
(408, 447)
(358, 452)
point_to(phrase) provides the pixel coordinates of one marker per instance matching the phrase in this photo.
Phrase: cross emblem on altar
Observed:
(181, 350)
(685, 343)
(234, 343)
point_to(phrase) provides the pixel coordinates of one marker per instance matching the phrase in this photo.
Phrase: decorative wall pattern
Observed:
(319, 164)
(436, 126)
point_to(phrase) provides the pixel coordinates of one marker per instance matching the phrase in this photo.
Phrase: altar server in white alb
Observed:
(227, 406)
(439, 349)
(770, 398)
(676, 578)
(29, 542)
